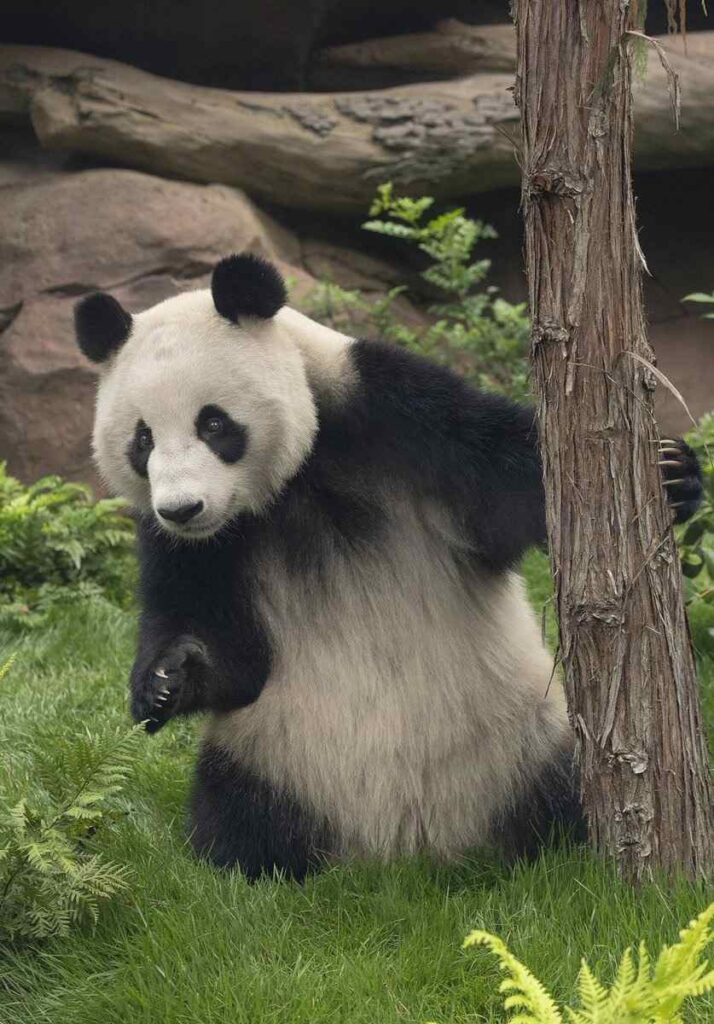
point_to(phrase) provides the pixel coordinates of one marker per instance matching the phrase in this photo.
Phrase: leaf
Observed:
(591, 993)
(694, 532)
(663, 380)
(5, 668)
(639, 995)
(51, 877)
(692, 568)
(531, 994)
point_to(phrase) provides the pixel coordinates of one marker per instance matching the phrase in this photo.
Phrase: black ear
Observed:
(247, 286)
(102, 326)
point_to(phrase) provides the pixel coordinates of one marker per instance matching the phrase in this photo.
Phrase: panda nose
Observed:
(182, 513)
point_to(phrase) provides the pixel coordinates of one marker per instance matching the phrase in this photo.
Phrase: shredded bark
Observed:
(629, 670)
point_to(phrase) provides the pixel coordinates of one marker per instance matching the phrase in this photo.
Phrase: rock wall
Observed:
(74, 217)
(67, 232)
(245, 44)
(238, 44)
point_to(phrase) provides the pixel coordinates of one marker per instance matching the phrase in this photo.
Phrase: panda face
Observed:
(199, 417)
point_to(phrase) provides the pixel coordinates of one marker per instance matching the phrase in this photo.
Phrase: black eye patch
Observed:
(140, 449)
(221, 433)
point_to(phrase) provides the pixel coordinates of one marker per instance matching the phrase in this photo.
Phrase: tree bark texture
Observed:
(624, 641)
(323, 151)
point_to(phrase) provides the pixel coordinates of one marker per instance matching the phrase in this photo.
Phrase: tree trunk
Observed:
(629, 670)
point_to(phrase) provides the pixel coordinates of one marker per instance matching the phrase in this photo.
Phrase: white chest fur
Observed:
(409, 699)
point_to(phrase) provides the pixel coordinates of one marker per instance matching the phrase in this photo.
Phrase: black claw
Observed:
(167, 686)
(681, 476)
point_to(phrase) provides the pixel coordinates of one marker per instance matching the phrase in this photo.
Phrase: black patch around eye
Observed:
(140, 449)
(221, 433)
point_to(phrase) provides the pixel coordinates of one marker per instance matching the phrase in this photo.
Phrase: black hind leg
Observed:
(549, 810)
(240, 820)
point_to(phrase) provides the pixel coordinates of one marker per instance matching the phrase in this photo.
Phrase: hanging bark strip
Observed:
(629, 669)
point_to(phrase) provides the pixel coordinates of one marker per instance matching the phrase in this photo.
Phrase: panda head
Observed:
(204, 409)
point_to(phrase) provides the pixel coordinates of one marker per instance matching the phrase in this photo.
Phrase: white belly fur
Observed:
(408, 701)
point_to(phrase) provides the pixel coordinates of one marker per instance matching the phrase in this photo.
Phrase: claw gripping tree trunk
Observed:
(624, 641)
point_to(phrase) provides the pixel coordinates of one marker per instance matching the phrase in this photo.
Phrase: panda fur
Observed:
(345, 602)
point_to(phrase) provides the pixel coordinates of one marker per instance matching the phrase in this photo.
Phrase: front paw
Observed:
(681, 476)
(169, 685)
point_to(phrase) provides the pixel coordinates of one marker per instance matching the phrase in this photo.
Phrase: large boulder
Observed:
(68, 232)
(64, 235)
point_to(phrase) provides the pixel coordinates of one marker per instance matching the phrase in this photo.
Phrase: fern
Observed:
(5, 668)
(639, 994)
(56, 545)
(527, 995)
(50, 877)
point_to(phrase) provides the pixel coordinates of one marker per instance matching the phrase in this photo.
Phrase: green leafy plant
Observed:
(696, 538)
(704, 297)
(57, 543)
(51, 876)
(480, 333)
(640, 994)
(476, 331)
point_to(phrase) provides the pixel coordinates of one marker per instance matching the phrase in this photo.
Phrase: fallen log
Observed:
(324, 151)
(451, 49)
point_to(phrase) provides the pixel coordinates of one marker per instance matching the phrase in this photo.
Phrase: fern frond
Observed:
(6, 666)
(591, 993)
(639, 995)
(529, 993)
(684, 955)
(643, 965)
(50, 880)
(679, 972)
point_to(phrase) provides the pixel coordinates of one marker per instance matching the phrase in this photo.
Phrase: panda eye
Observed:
(144, 439)
(217, 429)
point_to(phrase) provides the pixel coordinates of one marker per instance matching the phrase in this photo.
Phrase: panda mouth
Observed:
(191, 531)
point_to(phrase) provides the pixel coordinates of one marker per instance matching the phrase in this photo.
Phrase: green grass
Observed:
(356, 944)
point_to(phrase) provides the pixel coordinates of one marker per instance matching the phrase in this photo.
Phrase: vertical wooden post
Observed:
(629, 669)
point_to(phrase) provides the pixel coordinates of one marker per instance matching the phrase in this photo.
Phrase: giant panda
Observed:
(329, 534)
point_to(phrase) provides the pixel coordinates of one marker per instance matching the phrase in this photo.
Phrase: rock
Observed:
(350, 268)
(685, 355)
(22, 159)
(143, 239)
(326, 151)
(67, 234)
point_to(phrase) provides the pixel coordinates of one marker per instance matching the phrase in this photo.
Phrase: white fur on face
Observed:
(182, 355)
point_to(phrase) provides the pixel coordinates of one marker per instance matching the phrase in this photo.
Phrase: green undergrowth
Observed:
(358, 944)
(175, 942)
